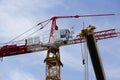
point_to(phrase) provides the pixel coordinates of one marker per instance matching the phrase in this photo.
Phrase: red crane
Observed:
(63, 38)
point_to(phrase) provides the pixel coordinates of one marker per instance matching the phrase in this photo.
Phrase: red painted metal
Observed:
(55, 27)
(106, 34)
(100, 35)
(9, 50)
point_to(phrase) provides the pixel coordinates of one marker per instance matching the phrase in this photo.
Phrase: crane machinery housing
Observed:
(62, 37)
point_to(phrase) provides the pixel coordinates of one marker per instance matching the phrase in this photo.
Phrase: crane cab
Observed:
(62, 35)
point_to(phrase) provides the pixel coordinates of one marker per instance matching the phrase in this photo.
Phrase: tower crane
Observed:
(62, 37)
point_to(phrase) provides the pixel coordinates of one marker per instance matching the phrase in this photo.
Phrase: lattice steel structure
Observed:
(53, 64)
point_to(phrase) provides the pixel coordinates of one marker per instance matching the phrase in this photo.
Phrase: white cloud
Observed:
(14, 4)
(18, 16)
(20, 75)
(113, 72)
(70, 59)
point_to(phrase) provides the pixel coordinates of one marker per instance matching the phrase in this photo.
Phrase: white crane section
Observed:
(62, 38)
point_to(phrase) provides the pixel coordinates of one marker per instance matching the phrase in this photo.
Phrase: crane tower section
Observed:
(53, 64)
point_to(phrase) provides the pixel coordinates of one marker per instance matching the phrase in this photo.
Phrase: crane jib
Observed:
(15, 49)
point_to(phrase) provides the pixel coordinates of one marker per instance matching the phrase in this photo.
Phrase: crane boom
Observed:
(15, 49)
(77, 16)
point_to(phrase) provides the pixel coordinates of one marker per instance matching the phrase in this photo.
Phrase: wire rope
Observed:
(83, 60)
(42, 26)
(87, 62)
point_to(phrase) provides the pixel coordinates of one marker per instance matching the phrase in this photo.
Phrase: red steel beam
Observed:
(100, 35)
(10, 50)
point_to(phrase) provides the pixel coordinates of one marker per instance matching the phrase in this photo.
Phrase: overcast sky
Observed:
(16, 16)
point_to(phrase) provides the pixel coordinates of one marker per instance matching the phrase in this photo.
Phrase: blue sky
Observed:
(16, 16)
